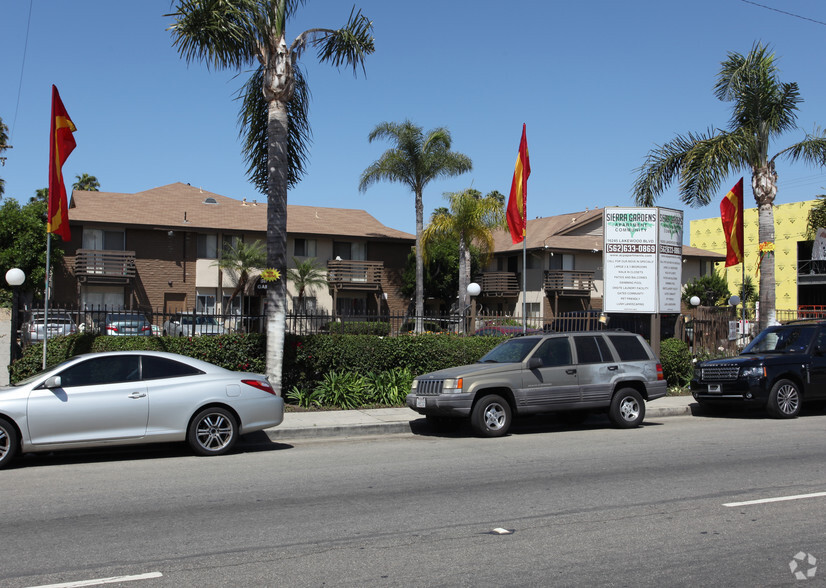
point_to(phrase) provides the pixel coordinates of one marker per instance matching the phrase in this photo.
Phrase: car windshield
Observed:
(127, 318)
(206, 320)
(39, 374)
(511, 351)
(782, 339)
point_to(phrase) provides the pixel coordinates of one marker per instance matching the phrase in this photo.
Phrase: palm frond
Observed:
(811, 150)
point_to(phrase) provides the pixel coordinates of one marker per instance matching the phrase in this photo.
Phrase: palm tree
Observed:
(763, 108)
(86, 183)
(415, 160)
(239, 261)
(234, 34)
(306, 275)
(472, 219)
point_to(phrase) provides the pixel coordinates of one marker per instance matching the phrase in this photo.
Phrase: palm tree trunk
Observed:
(278, 90)
(464, 278)
(764, 187)
(419, 263)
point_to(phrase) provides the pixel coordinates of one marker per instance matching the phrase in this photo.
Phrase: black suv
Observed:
(783, 366)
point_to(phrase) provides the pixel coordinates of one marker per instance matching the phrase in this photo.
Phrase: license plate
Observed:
(421, 402)
(714, 389)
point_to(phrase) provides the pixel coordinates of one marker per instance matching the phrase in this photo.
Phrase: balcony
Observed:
(104, 266)
(499, 284)
(350, 274)
(568, 282)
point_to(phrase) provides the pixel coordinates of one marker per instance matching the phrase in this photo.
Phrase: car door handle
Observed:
(613, 368)
(571, 372)
(137, 395)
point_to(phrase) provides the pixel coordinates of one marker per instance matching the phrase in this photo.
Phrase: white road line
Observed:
(100, 581)
(778, 499)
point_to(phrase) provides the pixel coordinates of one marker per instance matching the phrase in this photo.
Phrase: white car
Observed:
(134, 397)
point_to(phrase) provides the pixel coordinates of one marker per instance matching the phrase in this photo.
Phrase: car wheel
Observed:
(627, 409)
(784, 400)
(491, 417)
(9, 443)
(213, 431)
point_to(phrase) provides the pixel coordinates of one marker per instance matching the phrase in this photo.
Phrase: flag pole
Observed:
(524, 278)
(46, 298)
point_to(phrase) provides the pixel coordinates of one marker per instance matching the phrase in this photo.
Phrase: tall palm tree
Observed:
(235, 34)
(4, 144)
(763, 108)
(86, 183)
(306, 275)
(415, 160)
(472, 219)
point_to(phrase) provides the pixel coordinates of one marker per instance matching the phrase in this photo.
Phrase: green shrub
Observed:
(345, 390)
(677, 363)
(382, 329)
(388, 388)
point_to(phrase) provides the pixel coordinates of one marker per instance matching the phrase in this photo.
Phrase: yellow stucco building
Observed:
(789, 230)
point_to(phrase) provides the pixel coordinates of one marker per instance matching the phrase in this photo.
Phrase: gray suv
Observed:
(569, 373)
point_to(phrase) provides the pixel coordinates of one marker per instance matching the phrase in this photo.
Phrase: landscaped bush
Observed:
(379, 328)
(675, 357)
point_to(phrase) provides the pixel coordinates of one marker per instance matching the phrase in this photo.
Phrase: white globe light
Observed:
(734, 300)
(474, 289)
(695, 301)
(15, 277)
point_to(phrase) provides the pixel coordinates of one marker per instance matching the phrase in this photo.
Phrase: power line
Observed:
(22, 67)
(784, 12)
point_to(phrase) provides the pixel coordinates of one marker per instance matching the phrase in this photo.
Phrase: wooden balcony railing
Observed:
(499, 284)
(350, 274)
(105, 266)
(568, 282)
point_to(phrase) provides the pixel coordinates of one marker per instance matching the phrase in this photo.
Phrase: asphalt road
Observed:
(587, 505)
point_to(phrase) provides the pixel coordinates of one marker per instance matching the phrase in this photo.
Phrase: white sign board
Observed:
(642, 260)
(670, 262)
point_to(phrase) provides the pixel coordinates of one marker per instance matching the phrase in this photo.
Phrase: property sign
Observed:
(642, 260)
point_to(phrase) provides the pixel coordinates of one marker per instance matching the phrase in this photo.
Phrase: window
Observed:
(102, 370)
(592, 349)
(306, 306)
(155, 368)
(628, 348)
(533, 309)
(555, 352)
(207, 247)
(100, 239)
(205, 303)
(304, 248)
(348, 250)
(230, 241)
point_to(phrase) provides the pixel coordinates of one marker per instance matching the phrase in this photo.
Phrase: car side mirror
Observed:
(53, 382)
(534, 363)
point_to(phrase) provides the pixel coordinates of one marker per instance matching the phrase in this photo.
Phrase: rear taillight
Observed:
(146, 328)
(660, 372)
(260, 384)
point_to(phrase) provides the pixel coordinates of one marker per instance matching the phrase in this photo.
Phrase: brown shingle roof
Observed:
(181, 206)
(574, 231)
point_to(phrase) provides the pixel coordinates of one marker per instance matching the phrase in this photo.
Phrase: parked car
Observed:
(505, 331)
(58, 322)
(181, 325)
(570, 373)
(134, 397)
(123, 324)
(781, 368)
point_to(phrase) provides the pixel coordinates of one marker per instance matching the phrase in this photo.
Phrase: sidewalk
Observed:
(388, 421)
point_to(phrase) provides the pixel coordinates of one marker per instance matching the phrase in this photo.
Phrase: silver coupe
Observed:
(133, 397)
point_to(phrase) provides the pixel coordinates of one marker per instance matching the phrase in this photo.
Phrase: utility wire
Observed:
(22, 68)
(784, 12)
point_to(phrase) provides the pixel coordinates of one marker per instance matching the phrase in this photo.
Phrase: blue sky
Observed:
(598, 83)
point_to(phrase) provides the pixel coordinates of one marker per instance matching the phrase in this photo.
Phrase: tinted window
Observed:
(629, 348)
(555, 352)
(101, 370)
(592, 349)
(161, 367)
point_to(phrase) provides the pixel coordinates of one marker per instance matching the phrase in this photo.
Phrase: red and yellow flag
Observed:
(517, 213)
(731, 212)
(61, 144)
